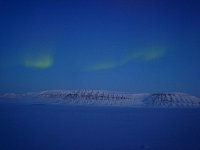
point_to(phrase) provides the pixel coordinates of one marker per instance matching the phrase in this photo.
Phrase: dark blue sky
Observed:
(122, 45)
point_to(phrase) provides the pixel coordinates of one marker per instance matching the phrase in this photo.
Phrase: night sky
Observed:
(119, 45)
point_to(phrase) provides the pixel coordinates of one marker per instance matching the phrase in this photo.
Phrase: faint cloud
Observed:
(42, 61)
(142, 55)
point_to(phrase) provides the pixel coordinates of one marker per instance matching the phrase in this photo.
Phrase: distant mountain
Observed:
(108, 98)
(172, 100)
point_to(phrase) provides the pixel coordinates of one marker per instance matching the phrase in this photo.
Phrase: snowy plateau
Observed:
(108, 98)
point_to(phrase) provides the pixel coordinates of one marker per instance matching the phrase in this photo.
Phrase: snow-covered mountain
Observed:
(108, 98)
(172, 100)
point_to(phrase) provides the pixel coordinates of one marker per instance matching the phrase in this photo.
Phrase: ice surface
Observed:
(25, 126)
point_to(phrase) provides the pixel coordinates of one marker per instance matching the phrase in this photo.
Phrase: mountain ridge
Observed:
(111, 98)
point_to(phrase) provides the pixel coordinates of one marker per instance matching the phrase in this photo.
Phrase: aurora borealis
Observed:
(147, 55)
(120, 45)
(41, 61)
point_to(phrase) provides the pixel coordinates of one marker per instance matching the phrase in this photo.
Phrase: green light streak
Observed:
(143, 55)
(39, 62)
